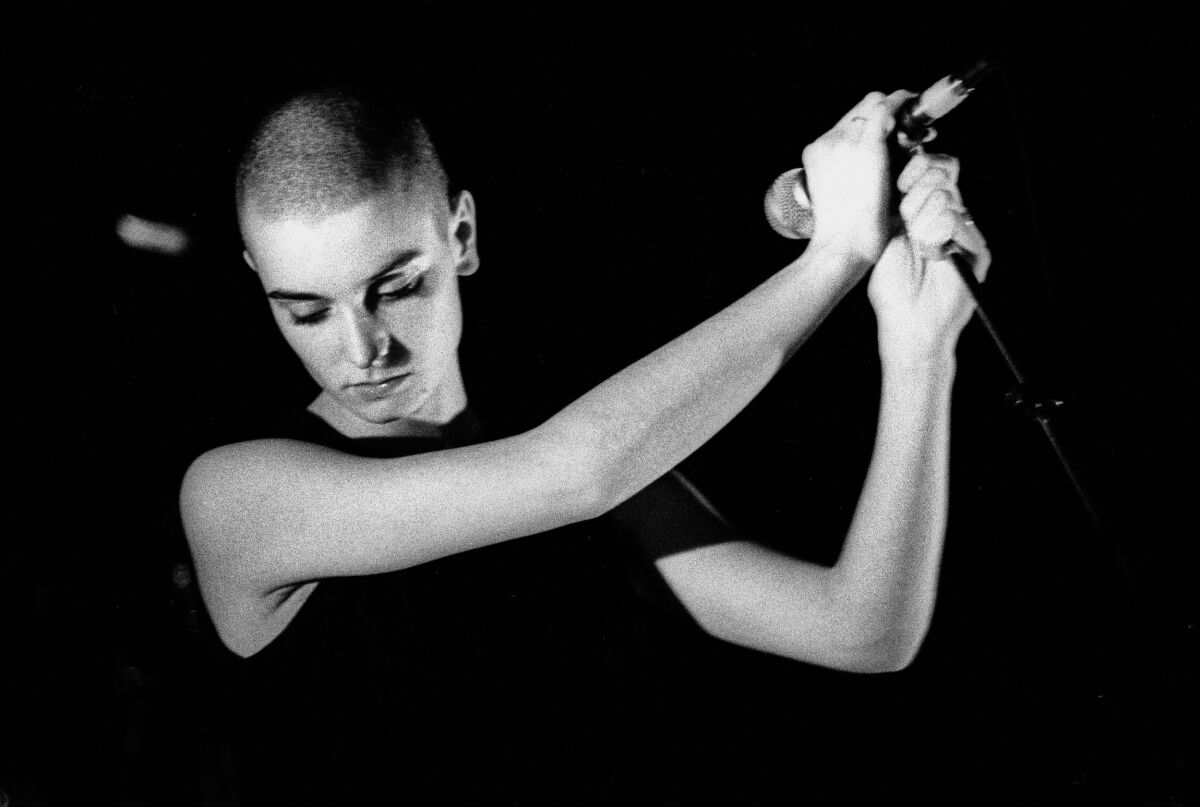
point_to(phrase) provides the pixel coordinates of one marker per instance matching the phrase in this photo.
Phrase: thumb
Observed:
(892, 103)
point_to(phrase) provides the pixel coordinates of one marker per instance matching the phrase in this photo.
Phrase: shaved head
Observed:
(321, 153)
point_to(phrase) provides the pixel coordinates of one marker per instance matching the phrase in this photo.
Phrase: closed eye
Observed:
(309, 319)
(398, 289)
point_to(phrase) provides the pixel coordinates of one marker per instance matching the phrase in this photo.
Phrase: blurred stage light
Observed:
(152, 236)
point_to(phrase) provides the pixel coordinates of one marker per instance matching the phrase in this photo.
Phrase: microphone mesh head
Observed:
(787, 206)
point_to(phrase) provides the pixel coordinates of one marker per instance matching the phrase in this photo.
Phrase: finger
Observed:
(934, 224)
(983, 262)
(875, 115)
(891, 105)
(967, 232)
(859, 111)
(971, 240)
(928, 185)
(966, 239)
(917, 165)
(933, 181)
(922, 162)
(979, 264)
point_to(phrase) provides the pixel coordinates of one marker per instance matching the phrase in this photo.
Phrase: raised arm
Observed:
(870, 612)
(265, 515)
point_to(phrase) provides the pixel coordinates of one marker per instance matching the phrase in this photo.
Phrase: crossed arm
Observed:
(268, 516)
(871, 610)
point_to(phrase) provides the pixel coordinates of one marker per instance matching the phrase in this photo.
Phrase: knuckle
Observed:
(874, 97)
(935, 231)
(948, 164)
(911, 173)
(934, 177)
(926, 182)
(940, 198)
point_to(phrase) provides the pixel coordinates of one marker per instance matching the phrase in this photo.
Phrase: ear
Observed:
(463, 233)
(249, 261)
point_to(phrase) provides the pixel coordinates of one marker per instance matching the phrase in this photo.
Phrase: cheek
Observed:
(450, 321)
(429, 329)
(447, 331)
(311, 346)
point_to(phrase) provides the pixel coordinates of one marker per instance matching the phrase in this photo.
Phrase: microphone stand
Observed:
(789, 213)
(1038, 407)
(913, 129)
(1103, 683)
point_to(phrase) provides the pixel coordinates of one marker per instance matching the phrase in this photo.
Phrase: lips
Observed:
(376, 390)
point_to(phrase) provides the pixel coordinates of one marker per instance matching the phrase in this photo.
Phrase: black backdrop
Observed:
(619, 178)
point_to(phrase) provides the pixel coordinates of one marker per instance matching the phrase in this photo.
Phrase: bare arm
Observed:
(870, 612)
(282, 512)
(266, 515)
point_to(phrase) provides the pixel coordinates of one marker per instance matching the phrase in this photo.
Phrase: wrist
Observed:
(837, 257)
(918, 367)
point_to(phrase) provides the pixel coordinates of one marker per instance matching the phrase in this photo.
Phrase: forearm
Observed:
(886, 577)
(643, 421)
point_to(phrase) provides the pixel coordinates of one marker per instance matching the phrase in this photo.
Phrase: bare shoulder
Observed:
(216, 500)
(237, 466)
(268, 516)
(225, 485)
(221, 501)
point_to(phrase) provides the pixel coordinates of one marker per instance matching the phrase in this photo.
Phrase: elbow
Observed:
(592, 491)
(892, 655)
(595, 468)
(879, 634)
(862, 647)
(891, 651)
(592, 497)
(595, 485)
(841, 643)
(582, 488)
(887, 654)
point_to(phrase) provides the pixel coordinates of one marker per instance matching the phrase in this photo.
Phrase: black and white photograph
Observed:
(547, 405)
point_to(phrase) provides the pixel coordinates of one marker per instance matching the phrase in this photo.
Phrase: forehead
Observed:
(344, 248)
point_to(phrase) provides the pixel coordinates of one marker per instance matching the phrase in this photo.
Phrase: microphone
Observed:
(787, 204)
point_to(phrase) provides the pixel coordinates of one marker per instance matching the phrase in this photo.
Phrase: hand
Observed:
(920, 302)
(847, 175)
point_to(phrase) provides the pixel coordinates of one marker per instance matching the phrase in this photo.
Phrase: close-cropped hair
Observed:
(321, 152)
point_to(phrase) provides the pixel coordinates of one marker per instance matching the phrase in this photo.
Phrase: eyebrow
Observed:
(399, 261)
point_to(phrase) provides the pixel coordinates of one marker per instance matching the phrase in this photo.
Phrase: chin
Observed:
(385, 412)
(379, 418)
(402, 409)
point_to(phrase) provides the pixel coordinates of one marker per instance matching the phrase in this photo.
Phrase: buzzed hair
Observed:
(322, 152)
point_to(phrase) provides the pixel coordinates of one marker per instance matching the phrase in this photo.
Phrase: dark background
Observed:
(619, 180)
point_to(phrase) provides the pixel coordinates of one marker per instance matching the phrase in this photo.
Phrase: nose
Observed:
(364, 340)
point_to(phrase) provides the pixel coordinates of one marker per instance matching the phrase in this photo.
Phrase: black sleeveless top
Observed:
(535, 670)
